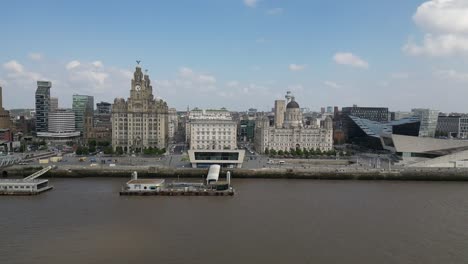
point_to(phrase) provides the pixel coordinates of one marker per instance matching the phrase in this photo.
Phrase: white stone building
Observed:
(292, 134)
(173, 122)
(141, 121)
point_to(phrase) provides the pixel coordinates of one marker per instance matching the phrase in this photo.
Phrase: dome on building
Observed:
(292, 104)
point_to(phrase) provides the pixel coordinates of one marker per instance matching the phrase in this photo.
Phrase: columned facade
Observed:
(141, 121)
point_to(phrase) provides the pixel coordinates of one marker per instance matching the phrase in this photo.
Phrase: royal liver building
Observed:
(141, 121)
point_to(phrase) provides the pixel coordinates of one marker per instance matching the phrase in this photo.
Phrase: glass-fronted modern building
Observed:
(82, 104)
(42, 105)
(428, 119)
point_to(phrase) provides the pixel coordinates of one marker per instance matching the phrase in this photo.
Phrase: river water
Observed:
(268, 221)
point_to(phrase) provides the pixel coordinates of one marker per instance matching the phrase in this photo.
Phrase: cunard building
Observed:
(141, 121)
(289, 131)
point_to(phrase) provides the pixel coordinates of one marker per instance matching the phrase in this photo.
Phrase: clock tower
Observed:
(141, 121)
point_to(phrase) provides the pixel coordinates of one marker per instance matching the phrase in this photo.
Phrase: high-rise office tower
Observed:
(82, 105)
(42, 105)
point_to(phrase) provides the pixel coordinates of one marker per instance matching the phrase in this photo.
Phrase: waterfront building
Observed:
(141, 121)
(42, 105)
(428, 120)
(212, 138)
(200, 114)
(82, 105)
(210, 132)
(53, 104)
(378, 114)
(61, 127)
(346, 124)
(448, 126)
(428, 152)
(5, 121)
(293, 134)
(400, 115)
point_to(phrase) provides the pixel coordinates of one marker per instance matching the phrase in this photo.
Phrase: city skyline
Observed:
(241, 53)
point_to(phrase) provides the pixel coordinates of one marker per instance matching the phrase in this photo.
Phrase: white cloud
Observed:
(296, 88)
(296, 67)
(13, 66)
(446, 16)
(16, 70)
(347, 58)
(251, 3)
(72, 64)
(399, 75)
(35, 56)
(452, 75)
(97, 64)
(275, 11)
(440, 45)
(333, 85)
(445, 23)
(185, 72)
(232, 84)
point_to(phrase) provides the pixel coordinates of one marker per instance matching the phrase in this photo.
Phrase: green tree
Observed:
(92, 143)
(319, 152)
(92, 149)
(280, 152)
(108, 150)
(119, 150)
(273, 152)
(267, 151)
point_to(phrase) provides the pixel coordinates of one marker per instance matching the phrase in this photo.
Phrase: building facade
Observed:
(448, 126)
(42, 105)
(213, 134)
(102, 116)
(293, 134)
(428, 118)
(141, 121)
(4, 115)
(53, 104)
(61, 127)
(173, 122)
(62, 120)
(82, 105)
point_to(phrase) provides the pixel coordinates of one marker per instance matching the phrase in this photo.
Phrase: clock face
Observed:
(138, 88)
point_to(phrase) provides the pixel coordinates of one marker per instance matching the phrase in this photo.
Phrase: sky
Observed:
(240, 54)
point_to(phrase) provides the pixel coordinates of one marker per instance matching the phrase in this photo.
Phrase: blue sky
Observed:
(241, 53)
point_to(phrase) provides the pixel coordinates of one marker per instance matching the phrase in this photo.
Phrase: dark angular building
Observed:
(42, 105)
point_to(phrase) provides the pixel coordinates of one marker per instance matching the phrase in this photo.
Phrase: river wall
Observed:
(316, 173)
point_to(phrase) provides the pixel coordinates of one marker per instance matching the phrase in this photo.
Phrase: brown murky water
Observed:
(268, 221)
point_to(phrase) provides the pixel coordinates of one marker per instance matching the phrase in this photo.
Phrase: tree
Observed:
(92, 149)
(273, 152)
(92, 143)
(280, 152)
(305, 152)
(267, 151)
(108, 150)
(292, 151)
(319, 152)
(119, 150)
(299, 152)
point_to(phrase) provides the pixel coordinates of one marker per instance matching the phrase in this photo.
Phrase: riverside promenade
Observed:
(313, 173)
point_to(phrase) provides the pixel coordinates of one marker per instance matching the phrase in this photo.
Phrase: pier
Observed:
(27, 186)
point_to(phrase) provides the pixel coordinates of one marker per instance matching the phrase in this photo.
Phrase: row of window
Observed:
(17, 187)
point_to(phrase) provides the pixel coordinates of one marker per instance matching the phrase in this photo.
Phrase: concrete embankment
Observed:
(317, 173)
